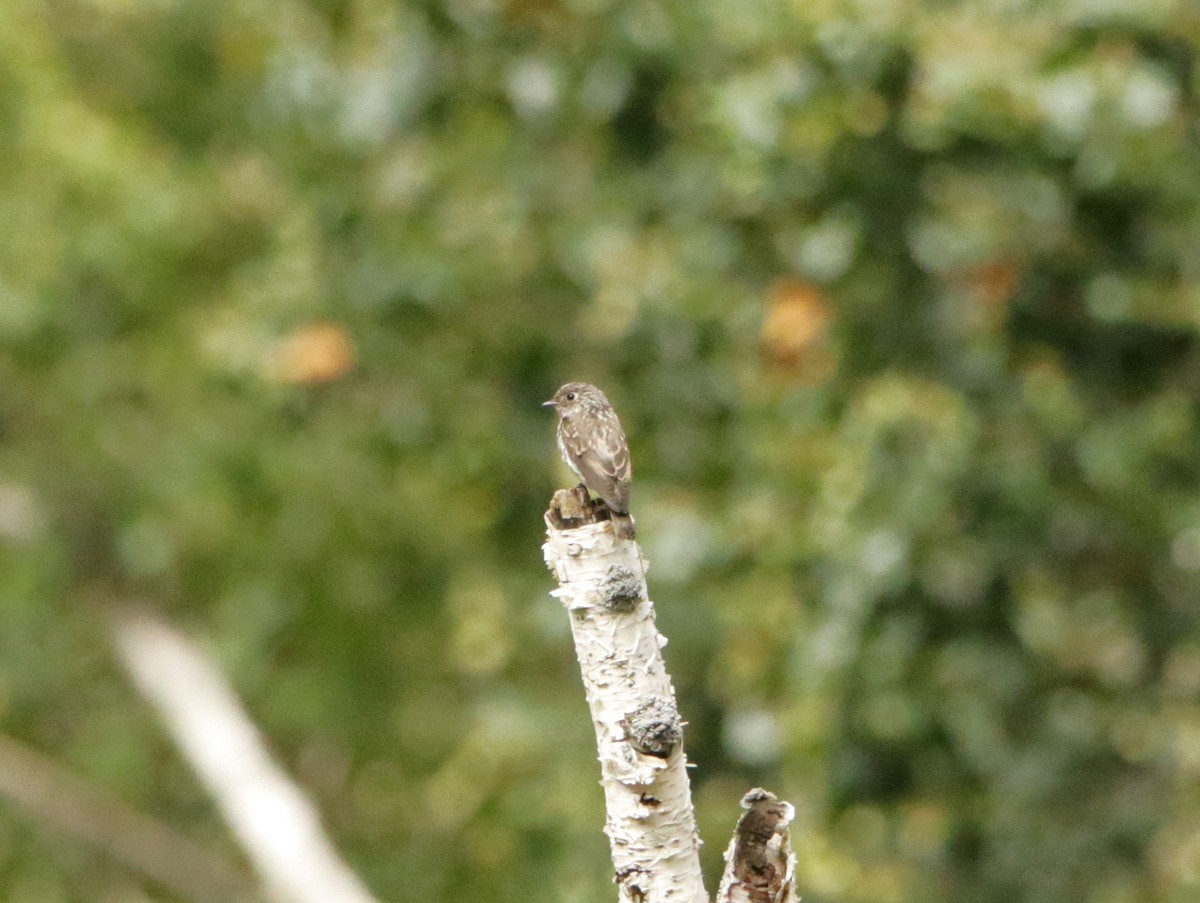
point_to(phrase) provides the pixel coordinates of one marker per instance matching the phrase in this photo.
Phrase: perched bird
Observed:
(591, 441)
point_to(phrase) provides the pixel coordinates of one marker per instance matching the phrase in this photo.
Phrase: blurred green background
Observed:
(898, 301)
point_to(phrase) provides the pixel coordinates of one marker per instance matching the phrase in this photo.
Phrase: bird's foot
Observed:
(574, 508)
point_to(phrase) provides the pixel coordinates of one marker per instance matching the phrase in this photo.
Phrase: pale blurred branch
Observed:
(275, 823)
(57, 797)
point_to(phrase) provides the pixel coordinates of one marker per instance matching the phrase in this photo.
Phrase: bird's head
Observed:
(574, 396)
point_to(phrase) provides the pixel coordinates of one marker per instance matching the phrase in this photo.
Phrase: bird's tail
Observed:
(622, 525)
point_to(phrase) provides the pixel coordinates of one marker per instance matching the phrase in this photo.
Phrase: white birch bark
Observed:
(650, 823)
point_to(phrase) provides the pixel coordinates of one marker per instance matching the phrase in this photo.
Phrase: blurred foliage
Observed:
(899, 303)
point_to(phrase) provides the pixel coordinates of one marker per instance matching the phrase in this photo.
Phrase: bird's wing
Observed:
(605, 467)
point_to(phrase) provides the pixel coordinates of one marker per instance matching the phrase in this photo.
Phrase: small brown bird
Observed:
(591, 441)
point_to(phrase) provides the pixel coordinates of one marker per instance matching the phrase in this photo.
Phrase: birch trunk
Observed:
(643, 769)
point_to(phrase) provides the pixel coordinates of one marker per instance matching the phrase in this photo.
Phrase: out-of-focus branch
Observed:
(651, 825)
(55, 796)
(275, 823)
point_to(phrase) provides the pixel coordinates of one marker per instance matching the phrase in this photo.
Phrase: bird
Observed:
(593, 445)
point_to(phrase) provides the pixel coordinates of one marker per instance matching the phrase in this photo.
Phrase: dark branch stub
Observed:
(757, 861)
(654, 727)
(621, 589)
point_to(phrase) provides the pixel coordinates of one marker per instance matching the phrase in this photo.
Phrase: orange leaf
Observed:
(796, 328)
(314, 353)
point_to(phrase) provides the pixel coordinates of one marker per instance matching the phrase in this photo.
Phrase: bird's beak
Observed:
(550, 404)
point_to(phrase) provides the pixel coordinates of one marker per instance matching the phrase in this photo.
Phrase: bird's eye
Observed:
(570, 396)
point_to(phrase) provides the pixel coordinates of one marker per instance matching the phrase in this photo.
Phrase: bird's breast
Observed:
(565, 451)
